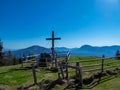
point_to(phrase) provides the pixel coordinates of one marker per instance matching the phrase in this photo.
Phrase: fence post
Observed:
(79, 73)
(66, 63)
(102, 68)
(61, 68)
(59, 71)
(46, 62)
(22, 62)
(55, 59)
(37, 61)
(56, 63)
(34, 74)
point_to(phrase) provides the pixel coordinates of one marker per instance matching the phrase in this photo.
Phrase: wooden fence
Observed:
(63, 70)
(64, 66)
(33, 59)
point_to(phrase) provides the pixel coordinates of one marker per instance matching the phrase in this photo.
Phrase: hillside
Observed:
(13, 77)
(30, 50)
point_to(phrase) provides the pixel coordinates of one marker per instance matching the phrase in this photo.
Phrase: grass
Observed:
(15, 76)
(12, 77)
(110, 84)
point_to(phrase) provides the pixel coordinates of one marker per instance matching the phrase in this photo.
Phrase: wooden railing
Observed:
(86, 68)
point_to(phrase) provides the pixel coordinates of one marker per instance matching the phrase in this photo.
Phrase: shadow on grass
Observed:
(96, 82)
(25, 88)
(92, 85)
(53, 70)
(43, 85)
(74, 86)
(53, 84)
(49, 84)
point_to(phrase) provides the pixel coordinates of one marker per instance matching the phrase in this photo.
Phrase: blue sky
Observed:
(28, 22)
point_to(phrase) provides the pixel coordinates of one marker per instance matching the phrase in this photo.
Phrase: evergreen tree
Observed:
(1, 54)
(15, 60)
(10, 61)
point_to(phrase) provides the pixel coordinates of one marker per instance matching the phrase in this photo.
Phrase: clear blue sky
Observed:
(28, 22)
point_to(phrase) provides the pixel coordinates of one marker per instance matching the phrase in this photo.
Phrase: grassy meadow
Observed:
(14, 77)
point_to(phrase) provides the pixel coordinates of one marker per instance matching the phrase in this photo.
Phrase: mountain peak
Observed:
(86, 46)
(35, 47)
(85, 50)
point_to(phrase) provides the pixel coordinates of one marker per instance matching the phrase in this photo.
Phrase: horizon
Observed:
(7, 49)
(80, 22)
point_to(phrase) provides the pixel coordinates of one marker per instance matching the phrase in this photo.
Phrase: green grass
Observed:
(112, 84)
(14, 76)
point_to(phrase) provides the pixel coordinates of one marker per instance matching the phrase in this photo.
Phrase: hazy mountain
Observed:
(5, 49)
(60, 49)
(85, 50)
(30, 50)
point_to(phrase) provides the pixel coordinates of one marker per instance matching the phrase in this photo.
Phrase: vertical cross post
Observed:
(53, 47)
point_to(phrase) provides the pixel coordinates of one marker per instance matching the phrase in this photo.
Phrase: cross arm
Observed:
(53, 38)
(57, 38)
(48, 38)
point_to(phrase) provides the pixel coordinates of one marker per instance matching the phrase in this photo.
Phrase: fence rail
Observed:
(85, 66)
(80, 69)
(63, 67)
(111, 66)
(93, 60)
(91, 70)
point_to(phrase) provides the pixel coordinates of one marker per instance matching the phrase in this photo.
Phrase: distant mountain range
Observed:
(85, 50)
(30, 50)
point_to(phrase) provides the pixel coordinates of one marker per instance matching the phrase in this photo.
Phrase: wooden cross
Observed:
(53, 48)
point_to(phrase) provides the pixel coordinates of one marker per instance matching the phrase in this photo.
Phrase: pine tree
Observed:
(15, 61)
(10, 61)
(1, 54)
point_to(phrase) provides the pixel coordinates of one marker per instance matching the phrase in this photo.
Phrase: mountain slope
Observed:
(85, 50)
(30, 50)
